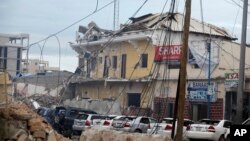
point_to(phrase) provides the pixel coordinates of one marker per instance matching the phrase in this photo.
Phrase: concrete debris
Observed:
(19, 123)
(110, 135)
(99, 106)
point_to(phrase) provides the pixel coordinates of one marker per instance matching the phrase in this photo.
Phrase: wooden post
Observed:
(183, 73)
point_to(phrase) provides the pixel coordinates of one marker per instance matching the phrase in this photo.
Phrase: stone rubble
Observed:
(110, 135)
(19, 123)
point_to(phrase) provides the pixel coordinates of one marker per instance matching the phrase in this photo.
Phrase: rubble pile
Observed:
(99, 106)
(19, 123)
(110, 135)
(45, 100)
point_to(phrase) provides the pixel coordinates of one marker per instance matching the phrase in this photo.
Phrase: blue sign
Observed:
(199, 90)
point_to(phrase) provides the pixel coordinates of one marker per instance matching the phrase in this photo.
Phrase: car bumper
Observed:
(121, 129)
(78, 128)
(200, 135)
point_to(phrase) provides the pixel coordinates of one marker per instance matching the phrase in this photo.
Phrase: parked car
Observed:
(166, 125)
(107, 121)
(140, 124)
(84, 121)
(207, 129)
(64, 118)
(46, 113)
(122, 123)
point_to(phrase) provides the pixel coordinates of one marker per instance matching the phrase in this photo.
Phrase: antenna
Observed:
(116, 15)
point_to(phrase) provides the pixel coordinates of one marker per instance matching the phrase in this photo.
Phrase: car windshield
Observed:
(170, 121)
(210, 122)
(97, 117)
(82, 116)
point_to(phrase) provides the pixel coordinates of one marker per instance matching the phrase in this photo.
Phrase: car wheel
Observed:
(138, 131)
(221, 138)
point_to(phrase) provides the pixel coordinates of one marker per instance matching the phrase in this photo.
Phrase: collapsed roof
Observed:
(173, 22)
(141, 27)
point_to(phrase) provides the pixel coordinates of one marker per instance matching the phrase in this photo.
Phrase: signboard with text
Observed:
(171, 53)
(231, 81)
(199, 90)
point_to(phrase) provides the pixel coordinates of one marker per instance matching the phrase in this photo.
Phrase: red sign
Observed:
(169, 53)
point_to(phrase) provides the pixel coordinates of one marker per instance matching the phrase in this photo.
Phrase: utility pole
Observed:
(239, 108)
(209, 88)
(183, 73)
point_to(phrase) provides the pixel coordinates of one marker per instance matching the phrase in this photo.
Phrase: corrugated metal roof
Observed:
(175, 22)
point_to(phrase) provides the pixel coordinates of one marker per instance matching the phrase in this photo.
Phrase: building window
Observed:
(123, 65)
(114, 62)
(134, 99)
(170, 110)
(144, 60)
(18, 53)
(18, 66)
(3, 57)
(106, 67)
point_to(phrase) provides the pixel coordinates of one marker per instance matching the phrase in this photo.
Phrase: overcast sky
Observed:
(41, 18)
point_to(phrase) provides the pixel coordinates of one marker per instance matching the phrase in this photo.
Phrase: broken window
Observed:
(114, 62)
(192, 60)
(144, 60)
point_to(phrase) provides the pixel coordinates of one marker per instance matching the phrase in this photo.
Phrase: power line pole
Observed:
(209, 88)
(239, 108)
(183, 72)
(116, 15)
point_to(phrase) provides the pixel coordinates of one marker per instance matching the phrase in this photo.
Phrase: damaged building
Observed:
(47, 88)
(138, 65)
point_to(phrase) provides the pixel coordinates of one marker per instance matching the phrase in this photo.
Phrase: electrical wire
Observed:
(74, 23)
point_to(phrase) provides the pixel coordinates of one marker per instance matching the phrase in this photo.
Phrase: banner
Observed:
(171, 53)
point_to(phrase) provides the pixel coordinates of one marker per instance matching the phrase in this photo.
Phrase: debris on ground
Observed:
(97, 105)
(111, 135)
(19, 123)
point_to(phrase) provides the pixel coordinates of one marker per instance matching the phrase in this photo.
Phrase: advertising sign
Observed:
(231, 81)
(171, 53)
(199, 90)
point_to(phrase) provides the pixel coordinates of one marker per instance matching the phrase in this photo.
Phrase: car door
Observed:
(144, 124)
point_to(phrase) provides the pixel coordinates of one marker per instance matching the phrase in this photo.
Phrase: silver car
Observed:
(84, 121)
(141, 124)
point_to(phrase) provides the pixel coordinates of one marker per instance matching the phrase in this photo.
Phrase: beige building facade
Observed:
(138, 65)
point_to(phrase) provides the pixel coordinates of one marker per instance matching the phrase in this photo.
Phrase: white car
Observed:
(166, 125)
(207, 129)
(105, 122)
